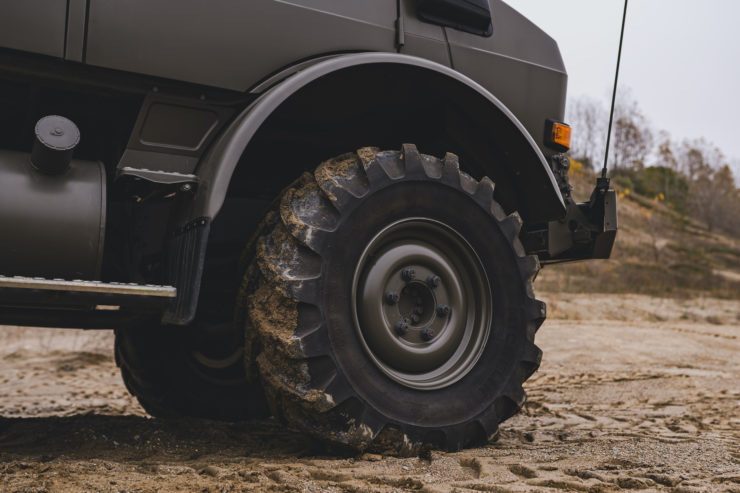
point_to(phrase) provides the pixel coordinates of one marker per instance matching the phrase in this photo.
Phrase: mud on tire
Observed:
(336, 363)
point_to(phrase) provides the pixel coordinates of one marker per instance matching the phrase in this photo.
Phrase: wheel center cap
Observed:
(417, 304)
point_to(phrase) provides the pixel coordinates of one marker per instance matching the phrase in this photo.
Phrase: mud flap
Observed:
(186, 256)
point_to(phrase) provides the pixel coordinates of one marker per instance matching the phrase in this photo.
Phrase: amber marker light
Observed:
(557, 135)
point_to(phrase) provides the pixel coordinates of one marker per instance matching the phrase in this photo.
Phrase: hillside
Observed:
(658, 252)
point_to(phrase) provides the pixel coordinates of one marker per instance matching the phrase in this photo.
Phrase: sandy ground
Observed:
(641, 394)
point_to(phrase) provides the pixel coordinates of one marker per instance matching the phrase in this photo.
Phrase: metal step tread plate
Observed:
(34, 293)
(79, 286)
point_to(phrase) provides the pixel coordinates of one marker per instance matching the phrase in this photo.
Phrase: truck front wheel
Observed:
(394, 306)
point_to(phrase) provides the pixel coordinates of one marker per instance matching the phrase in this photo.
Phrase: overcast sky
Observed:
(681, 59)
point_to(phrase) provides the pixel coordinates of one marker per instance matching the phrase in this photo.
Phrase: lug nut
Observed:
(401, 328)
(427, 333)
(408, 274)
(433, 281)
(391, 297)
(443, 310)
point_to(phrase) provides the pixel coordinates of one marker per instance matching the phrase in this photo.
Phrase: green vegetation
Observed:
(657, 181)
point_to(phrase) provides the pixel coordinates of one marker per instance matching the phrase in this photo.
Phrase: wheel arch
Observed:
(385, 99)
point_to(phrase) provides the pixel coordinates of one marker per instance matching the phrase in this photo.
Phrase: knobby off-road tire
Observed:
(172, 371)
(361, 258)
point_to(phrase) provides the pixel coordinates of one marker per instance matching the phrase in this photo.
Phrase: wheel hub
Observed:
(416, 306)
(422, 303)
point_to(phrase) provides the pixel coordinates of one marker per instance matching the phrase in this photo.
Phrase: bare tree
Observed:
(632, 138)
(695, 156)
(712, 191)
(726, 195)
(735, 167)
(664, 176)
(589, 118)
(666, 151)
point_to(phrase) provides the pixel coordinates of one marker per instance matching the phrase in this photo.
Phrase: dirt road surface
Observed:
(644, 394)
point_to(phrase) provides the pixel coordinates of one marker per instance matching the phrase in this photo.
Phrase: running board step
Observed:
(34, 291)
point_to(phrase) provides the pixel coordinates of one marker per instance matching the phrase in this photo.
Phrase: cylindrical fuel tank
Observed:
(51, 226)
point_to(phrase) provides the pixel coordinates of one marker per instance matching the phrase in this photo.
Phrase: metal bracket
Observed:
(158, 177)
(146, 183)
(400, 28)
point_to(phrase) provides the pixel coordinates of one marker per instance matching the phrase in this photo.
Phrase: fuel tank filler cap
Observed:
(56, 139)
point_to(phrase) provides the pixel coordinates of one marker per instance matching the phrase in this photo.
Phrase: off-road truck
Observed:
(288, 206)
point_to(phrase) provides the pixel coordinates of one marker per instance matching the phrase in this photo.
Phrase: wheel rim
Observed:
(216, 353)
(422, 303)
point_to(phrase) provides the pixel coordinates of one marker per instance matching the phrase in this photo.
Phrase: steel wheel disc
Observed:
(422, 303)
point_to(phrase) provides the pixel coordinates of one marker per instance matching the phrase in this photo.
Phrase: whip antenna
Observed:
(614, 92)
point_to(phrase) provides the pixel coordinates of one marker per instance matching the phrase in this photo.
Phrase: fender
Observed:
(217, 166)
(526, 182)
